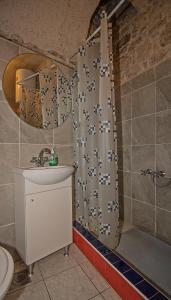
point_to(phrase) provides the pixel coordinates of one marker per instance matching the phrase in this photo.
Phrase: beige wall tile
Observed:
(143, 130)
(163, 92)
(125, 208)
(143, 79)
(143, 157)
(9, 124)
(6, 204)
(163, 127)
(2, 96)
(7, 235)
(143, 216)
(124, 132)
(2, 68)
(9, 159)
(164, 225)
(163, 69)
(124, 183)
(8, 50)
(123, 107)
(32, 135)
(124, 158)
(143, 101)
(143, 188)
(163, 193)
(65, 154)
(63, 134)
(163, 158)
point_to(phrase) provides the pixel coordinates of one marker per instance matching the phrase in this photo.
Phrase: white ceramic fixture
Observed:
(43, 211)
(6, 271)
(46, 175)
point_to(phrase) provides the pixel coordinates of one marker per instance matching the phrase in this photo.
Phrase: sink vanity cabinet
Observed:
(43, 217)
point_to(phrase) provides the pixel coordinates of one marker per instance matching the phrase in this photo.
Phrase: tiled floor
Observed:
(63, 278)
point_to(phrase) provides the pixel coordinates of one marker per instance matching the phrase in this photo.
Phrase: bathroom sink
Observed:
(46, 175)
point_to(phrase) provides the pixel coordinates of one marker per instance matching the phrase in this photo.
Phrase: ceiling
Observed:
(54, 26)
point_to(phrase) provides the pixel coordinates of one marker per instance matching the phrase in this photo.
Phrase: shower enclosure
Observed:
(143, 126)
(143, 123)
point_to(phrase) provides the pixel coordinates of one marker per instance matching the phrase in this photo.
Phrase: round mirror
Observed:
(37, 90)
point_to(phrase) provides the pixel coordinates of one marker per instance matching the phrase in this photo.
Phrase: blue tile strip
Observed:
(159, 296)
(131, 275)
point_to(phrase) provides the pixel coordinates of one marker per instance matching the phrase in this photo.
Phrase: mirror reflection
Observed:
(38, 90)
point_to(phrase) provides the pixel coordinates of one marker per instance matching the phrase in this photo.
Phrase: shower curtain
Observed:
(30, 107)
(48, 94)
(64, 97)
(95, 139)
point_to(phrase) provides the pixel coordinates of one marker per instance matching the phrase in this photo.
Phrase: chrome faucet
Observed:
(41, 159)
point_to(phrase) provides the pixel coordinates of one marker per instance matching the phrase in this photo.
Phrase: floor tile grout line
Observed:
(27, 285)
(56, 274)
(80, 264)
(90, 280)
(94, 297)
(44, 282)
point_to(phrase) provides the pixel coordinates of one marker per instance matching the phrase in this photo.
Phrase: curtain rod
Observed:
(20, 82)
(27, 78)
(98, 29)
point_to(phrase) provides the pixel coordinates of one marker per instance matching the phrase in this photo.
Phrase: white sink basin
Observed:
(46, 175)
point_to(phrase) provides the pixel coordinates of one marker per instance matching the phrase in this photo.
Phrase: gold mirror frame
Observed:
(34, 63)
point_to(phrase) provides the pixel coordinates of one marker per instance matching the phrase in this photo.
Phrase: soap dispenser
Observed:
(53, 161)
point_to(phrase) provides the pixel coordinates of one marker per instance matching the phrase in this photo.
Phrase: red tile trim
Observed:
(115, 279)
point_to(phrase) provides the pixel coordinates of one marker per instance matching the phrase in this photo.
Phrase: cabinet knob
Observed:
(32, 200)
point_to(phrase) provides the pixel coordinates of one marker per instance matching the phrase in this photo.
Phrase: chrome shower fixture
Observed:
(154, 174)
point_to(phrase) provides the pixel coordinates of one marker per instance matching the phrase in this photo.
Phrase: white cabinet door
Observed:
(48, 222)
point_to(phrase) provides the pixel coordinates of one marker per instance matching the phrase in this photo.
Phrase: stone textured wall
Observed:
(18, 143)
(54, 27)
(142, 36)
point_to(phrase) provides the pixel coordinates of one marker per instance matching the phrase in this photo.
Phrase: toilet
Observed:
(6, 271)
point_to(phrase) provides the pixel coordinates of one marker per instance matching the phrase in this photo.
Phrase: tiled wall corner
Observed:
(144, 141)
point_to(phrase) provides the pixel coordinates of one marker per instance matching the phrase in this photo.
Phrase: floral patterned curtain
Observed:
(95, 140)
(64, 97)
(30, 107)
(48, 94)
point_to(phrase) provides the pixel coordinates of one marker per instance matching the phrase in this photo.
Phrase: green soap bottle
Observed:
(53, 161)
